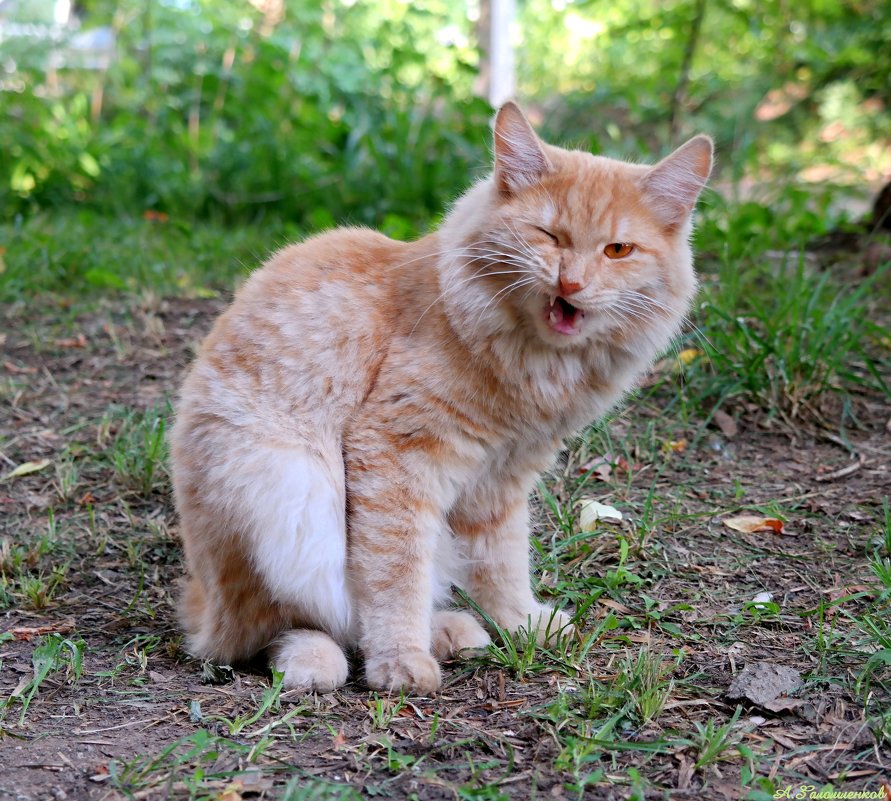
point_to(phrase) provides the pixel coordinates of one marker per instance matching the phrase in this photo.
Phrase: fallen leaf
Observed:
(80, 341)
(600, 468)
(689, 355)
(26, 468)
(726, 423)
(27, 633)
(766, 685)
(14, 368)
(749, 524)
(615, 605)
(592, 511)
(339, 739)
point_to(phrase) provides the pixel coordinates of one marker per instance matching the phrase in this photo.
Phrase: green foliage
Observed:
(139, 450)
(51, 655)
(777, 84)
(334, 112)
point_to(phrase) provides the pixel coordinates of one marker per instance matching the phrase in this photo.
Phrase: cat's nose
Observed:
(568, 286)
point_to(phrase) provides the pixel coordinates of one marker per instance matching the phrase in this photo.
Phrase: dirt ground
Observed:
(495, 730)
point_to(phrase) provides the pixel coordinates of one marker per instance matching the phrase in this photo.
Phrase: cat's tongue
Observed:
(563, 317)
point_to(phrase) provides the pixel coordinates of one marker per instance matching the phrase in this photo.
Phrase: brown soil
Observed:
(486, 727)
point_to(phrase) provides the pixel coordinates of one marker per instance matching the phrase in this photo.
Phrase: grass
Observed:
(633, 707)
(785, 336)
(74, 254)
(139, 449)
(53, 654)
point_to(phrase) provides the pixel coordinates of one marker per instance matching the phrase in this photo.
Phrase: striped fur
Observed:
(363, 426)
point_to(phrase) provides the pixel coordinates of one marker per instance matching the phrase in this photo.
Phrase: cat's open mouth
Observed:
(562, 317)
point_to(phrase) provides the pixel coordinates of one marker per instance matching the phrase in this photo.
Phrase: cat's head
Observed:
(572, 247)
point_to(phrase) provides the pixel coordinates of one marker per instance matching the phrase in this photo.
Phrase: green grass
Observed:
(139, 449)
(53, 654)
(76, 254)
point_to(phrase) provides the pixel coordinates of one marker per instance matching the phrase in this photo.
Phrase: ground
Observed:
(102, 702)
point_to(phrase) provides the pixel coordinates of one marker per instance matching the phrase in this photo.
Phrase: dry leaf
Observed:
(592, 511)
(26, 468)
(80, 341)
(767, 685)
(615, 605)
(27, 633)
(14, 368)
(155, 216)
(749, 524)
(726, 423)
(689, 355)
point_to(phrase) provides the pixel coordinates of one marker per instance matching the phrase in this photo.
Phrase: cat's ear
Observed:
(674, 184)
(520, 160)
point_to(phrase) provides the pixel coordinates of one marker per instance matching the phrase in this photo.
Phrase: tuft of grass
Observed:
(782, 335)
(139, 449)
(270, 700)
(51, 655)
(383, 710)
(712, 741)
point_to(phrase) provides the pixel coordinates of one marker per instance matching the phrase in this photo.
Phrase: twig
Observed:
(680, 90)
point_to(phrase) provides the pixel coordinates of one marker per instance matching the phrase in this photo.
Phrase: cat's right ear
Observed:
(674, 184)
(520, 161)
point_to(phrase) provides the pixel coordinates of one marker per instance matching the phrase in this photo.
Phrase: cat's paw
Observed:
(309, 660)
(454, 632)
(413, 670)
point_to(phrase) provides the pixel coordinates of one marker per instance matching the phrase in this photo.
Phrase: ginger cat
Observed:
(363, 426)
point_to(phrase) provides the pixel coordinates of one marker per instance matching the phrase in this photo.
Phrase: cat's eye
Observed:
(550, 234)
(618, 250)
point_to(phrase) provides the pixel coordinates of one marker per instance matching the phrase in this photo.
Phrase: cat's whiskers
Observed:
(519, 283)
(526, 248)
(456, 285)
(685, 319)
(480, 245)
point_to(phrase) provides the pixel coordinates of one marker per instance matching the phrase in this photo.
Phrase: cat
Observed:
(363, 426)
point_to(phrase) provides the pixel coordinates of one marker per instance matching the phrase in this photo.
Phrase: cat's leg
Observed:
(493, 525)
(455, 631)
(310, 660)
(394, 524)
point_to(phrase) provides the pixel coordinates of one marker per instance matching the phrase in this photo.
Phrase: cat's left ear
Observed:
(520, 160)
(674, 184)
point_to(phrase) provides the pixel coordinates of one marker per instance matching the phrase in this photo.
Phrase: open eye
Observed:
(618, 250)
(547, 233)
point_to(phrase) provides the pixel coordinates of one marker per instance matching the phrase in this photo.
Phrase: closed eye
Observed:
(550, 234)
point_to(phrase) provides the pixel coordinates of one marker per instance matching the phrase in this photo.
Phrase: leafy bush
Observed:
(214, 109)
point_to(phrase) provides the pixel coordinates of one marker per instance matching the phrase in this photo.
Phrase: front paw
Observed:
(454, 632)
(413, 670)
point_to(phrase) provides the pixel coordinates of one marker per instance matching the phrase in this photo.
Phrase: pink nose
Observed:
(568, 286)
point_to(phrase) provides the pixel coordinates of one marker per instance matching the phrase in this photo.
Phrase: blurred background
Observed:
(377, 112)
(169, 145)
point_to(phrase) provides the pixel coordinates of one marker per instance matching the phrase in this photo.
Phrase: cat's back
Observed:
(304, 335)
